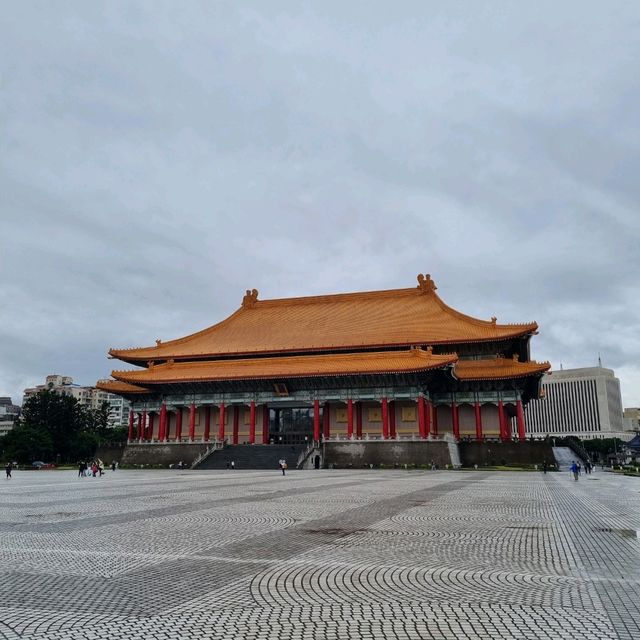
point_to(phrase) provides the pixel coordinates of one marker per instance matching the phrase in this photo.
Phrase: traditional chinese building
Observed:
(395, 364)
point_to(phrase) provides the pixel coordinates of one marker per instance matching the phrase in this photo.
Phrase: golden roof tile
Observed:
(374, 319)
(407, 361)
(497, 368)
(118, 387)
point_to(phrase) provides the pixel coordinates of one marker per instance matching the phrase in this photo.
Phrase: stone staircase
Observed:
(564, 457)
(454, 452)
(252, 456)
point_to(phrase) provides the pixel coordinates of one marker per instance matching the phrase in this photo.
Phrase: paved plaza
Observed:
(319, 554)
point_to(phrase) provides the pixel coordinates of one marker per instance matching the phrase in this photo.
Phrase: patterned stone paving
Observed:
(319, 554)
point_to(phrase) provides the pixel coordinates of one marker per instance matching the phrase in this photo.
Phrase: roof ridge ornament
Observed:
(250, 298)
(426, 284)
(158, 342)
(494, 320)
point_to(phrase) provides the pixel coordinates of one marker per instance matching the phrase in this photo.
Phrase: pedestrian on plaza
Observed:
(113, 466)
(544, 466)
(8, 469)
(228, 465)
(94, 469)
(233, 464)
(574, 470)
(579, 468)
(80, 469)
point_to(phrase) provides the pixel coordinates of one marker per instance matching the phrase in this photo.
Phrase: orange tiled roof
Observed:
(497, 368)
(397, 317)
(289, 367)
(116, 386)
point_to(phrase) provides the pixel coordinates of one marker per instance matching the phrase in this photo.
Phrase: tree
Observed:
(25, 444)
(61, 416)
(603, 446)
(56, 426)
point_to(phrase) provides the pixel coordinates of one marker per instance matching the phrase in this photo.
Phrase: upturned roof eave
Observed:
(151, 354)
(540, 369)
(300, 376)
(144, 377)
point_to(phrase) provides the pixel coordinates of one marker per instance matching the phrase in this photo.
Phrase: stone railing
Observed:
(215, 446)
(305, 454)
(378, 438)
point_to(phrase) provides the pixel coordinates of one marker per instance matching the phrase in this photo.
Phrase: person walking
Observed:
(544, 466)
(8, 469)
(233, 465)
(574, 470)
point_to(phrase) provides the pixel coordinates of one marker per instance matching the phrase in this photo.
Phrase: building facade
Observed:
(90, 397)
(396, 364)
(9, 413)
(585, 402)
(631, 419)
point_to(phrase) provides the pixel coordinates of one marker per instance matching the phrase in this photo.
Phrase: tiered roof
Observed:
(376, 363)
(369, 320)
(498, 369)
(309, 366)
(310, 337)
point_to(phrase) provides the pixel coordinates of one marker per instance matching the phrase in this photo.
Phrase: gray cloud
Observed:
(158, 160)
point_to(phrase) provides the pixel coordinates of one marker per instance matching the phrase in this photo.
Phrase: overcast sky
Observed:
(159, 158)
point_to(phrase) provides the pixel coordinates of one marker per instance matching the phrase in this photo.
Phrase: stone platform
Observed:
(318, 554)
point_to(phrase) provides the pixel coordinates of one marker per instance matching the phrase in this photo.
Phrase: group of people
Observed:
(90, 469)
(576, 469)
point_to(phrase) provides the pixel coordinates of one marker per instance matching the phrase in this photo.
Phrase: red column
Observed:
(178, 424)
(236, 423)
(520, 419)
(192, 422)
(422, 425)
(207, 423)
(350, 418)
(140, 434)
(326, 421)
(427, 419)
(359, 419)
(167, 431)
(131, 418)
(478, 421)
(435, 420)
(501, 419)
(221, 422)
(162, 422)
(455, 420)
(252, 422)
(316, 420)
(151, 425)
(385, 419)
(392, 419)
(265, 423)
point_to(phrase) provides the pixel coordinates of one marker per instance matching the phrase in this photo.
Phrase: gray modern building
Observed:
(581, 402)
(9, 413)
